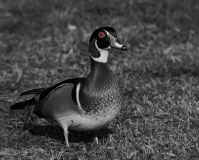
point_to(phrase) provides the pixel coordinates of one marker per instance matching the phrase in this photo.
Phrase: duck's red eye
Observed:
(101, 34)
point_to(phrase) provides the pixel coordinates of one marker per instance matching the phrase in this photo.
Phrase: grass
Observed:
(44, 42)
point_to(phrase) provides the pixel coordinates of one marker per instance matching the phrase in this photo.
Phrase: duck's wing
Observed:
(45, 93)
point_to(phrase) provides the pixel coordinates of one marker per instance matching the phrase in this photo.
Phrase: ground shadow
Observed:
(56, 133)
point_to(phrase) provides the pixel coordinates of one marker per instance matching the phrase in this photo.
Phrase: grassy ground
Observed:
(44, 42)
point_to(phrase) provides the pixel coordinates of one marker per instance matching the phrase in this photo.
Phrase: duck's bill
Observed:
(124, 48)
(119, 46)
(116, 44)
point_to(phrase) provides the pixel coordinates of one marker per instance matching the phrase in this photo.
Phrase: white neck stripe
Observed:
(103, 54)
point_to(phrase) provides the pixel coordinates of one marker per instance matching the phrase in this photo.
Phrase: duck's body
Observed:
(81, 103)
(98, 104)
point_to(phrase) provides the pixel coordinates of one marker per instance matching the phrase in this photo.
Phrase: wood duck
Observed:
(82, 104)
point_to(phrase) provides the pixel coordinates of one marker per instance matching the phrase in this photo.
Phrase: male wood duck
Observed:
(82, 104)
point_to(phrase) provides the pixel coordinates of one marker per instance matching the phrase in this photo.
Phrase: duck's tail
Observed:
(22, 105)
(31, 105)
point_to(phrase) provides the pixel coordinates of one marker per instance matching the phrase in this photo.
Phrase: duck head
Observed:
(101, 40)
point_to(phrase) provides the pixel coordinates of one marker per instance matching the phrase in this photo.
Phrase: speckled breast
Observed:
(98, 113)
(100, 96)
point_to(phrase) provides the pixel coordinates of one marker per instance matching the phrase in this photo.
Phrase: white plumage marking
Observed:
(103, 55)
(77, 95)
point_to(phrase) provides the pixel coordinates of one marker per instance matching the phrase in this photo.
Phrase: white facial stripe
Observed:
(77, 96)
(103, 55)
(107, 32)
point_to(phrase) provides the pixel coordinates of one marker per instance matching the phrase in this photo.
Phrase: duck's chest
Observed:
(100, 94)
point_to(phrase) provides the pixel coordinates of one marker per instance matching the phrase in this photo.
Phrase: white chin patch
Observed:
(103, 55)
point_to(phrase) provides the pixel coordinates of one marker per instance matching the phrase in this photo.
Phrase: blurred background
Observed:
(43, 42)
(49, 38)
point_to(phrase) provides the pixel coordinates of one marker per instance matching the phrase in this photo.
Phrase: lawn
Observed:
(45, 42)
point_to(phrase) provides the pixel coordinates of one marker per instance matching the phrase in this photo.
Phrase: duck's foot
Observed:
(66, 132)
(95, 139)
(29, 117)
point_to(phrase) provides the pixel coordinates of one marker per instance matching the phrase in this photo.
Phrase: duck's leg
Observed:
(29, 116)
(95, 139)
(66, 132)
